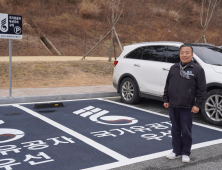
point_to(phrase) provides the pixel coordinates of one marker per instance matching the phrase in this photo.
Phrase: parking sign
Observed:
(11, 26)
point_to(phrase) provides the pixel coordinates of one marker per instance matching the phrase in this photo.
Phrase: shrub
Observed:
(88, 9)
(174, 15)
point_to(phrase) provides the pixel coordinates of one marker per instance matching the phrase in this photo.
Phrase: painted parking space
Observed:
(30, 143)
(89, 134)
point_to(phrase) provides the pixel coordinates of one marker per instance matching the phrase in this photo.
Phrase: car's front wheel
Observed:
(212, 107)
(129, 91)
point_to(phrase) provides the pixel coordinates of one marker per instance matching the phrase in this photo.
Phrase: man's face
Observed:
(186, 55)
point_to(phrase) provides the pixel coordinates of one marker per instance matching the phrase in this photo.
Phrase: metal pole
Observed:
(113, 27)
(10, 67)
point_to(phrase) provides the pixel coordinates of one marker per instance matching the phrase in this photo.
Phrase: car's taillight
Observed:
(115, 63)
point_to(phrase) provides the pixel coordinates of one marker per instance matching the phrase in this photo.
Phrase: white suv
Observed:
(141, 71)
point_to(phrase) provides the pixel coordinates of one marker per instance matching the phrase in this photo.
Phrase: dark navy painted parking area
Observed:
(65, 156)
(127, 131)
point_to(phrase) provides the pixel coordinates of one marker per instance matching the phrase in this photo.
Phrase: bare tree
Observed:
(212, 4)
(115, 18)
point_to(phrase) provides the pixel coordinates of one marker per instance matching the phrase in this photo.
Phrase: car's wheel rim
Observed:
(127, 90)
(213, 107)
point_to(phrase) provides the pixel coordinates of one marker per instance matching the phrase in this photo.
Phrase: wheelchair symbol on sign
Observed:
(9, 135)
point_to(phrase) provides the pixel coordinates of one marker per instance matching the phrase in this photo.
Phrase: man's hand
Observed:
(166, 105)
(195, 109)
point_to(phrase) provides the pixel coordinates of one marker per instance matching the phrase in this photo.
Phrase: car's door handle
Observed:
(136, 65)
(166, 69)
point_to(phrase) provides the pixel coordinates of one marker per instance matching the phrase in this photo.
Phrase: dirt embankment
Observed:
(56, 74)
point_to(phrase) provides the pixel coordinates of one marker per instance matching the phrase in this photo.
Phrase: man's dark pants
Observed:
(181, 120)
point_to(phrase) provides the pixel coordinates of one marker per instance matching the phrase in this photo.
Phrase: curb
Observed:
(29, 99)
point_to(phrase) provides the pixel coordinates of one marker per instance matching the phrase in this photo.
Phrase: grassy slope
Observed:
(56, 74)
(74, 28)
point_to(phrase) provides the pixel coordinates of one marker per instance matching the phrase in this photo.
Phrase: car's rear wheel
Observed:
(212, 107)
(129, 91)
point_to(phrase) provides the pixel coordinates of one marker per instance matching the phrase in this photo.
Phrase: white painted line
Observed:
(149, 157)
(89, 108)
(159, 114)
(204, 144)
(133, 107)
(95, 110)
(86, 114)
(207, 126)
(112, 97)
(130, 161)
(97, 115)
(77, 135)
(79, 111)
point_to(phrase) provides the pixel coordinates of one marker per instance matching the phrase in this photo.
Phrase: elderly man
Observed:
(184, 93)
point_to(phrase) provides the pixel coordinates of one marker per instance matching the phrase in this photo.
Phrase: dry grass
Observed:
(88, 9)
(75, 26)
(2, 3)
(174, 15)
(160, 12)
(56, 74)
(29, 45)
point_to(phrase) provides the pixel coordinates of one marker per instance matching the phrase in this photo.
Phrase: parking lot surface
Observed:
(89, 134)
(206, 158)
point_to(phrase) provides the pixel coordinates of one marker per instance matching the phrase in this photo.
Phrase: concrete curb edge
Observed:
(28, 99)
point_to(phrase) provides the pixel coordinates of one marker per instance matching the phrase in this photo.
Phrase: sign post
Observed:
(10, 28)
(10, 67)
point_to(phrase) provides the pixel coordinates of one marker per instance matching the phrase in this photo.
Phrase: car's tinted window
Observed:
(136, 54)
(173, 55)
(154, 53)
(209, 54)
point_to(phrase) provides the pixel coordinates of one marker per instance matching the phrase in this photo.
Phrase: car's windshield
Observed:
(209, 54)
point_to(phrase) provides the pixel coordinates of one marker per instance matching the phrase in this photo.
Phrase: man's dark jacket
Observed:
(181, 92)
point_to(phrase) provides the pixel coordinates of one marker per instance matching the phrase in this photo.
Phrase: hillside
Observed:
(75, 26)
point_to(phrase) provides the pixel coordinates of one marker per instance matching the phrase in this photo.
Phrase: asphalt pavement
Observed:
(207, 158)
(98, 134)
